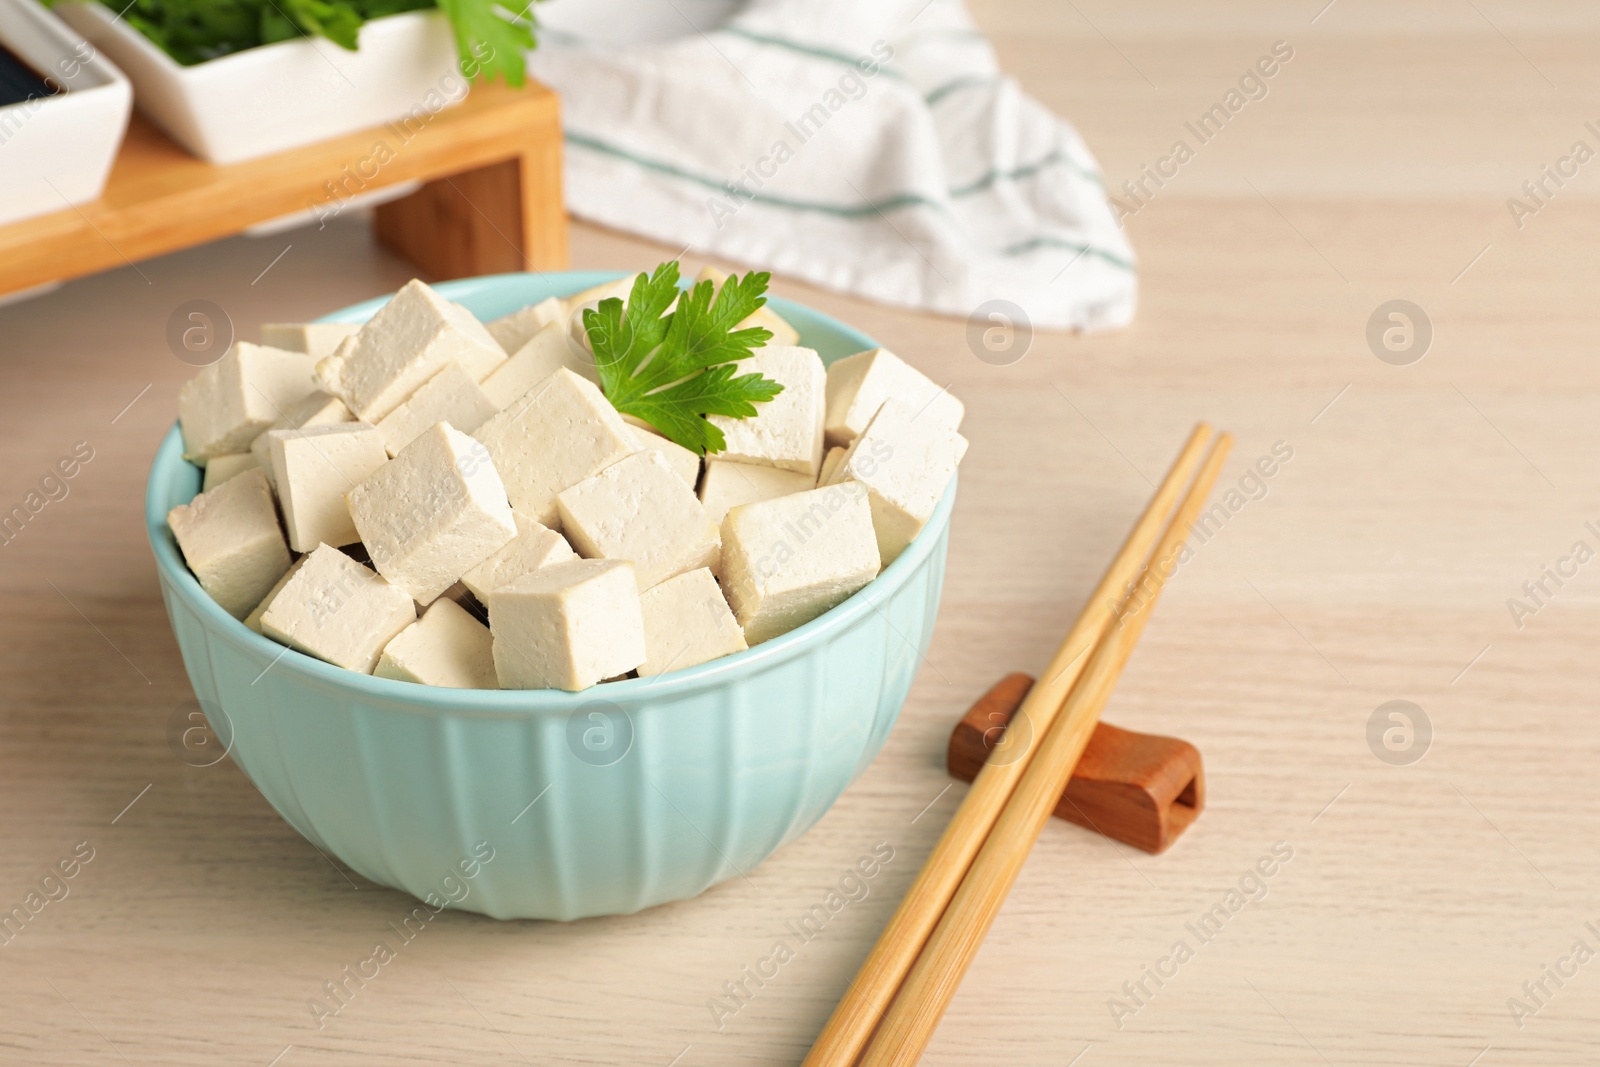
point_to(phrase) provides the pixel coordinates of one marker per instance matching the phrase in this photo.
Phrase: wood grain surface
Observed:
(1407, 904)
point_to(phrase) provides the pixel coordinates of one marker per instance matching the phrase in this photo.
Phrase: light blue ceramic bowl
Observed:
(631, 794)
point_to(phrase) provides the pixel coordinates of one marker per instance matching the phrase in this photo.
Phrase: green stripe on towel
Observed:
(867, 210)
(816, 51)
(1027, 170)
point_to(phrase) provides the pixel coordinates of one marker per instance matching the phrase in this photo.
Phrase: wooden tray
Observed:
(490, 202)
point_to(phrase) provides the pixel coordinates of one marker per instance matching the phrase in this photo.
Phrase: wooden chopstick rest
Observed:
(1141, 789)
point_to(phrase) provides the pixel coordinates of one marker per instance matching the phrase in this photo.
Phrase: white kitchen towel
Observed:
(864, 146)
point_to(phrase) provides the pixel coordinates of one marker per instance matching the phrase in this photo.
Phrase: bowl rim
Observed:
(519, 703)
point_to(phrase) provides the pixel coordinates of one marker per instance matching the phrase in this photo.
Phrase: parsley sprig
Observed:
(672, 369)
(492, 36)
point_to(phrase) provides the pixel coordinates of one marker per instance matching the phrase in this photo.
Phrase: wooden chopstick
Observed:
(869, 996)
(933, 980)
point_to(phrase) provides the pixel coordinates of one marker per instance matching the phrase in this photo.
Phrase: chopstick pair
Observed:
(935, 933)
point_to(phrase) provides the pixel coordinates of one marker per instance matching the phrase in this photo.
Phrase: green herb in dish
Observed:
(491, 35)
(673, 369)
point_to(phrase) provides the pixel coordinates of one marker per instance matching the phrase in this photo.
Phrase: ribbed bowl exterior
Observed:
(604, 802)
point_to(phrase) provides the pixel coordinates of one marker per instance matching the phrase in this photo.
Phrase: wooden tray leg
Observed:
(1141, 789)
(504, 217)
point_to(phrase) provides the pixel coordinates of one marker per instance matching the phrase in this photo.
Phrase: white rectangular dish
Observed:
(56, 151)
(280, 96)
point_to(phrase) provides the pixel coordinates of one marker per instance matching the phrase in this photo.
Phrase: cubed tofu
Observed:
(638, 509)
(544, 354)
(783, 334)
(432, 513)
(516, 329)
(446, 647)
(859, 384)
(534, 546)
(729, 484)
(253, 620)
(786, 431)
(231, 541)
(318, 409)
(830, 464)
(316, 339)
(464, 599)
(786, 561)
(314, 469)
(220, 468)
(905, 464)
(450, 396)
(554, 436)
(567, 626)
(684, 463)
(618, 287)
(224, 407)
(687, 622)
(589, 300)
(338, 610)
(405, 343)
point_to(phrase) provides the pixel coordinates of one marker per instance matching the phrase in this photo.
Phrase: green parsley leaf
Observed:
(672, 369)
(338, 22)
(491, 35)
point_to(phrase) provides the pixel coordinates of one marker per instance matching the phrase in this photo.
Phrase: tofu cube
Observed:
(567, 626)
(905, 463)
(253, 620)
(432, 513)
(687, 622)
(318, 409)
(544, 354)
(783, 335)
(229, 402)
(534, 546)
(316, 339)
(220, 468)
(786, 431)
(830, 464)
(338, 610)
(408, 341)
(516, 329)
(729, 484)
(620, 288)
(786, 561)
(554, 436)
(638, 509)
(450, 396)
(446, 647)
(859, 384)
(314, 469)
(684, 463)
(231, 541)
(589, 300)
